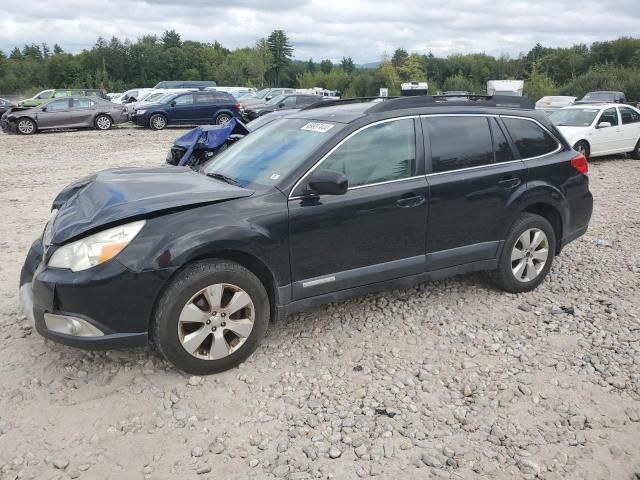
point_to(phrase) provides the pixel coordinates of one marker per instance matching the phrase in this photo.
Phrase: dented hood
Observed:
(112, 196)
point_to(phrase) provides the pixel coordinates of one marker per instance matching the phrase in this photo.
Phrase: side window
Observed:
(184, 100)
(459, 142)
(302, 101)
(629, 116)
(58, 105)
(83, 103)
(44, 95)
(59, 94)
(609, 115)
(379, 153)
(500, 143)
(530, 139)
(205, 98)
(289, 101)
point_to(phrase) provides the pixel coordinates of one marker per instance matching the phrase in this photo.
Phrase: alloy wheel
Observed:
(223, 119)
(103, 123)
(25, 127)
(216, 321)
(529, 255)
(159, 122)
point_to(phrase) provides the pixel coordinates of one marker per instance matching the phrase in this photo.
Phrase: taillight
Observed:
(237, 105)
(580, 164)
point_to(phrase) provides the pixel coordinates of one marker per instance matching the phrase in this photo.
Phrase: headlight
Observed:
(139, 112)
(95, 249)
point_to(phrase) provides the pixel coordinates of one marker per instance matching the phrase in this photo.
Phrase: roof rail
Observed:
(452, 100)
(344, 101)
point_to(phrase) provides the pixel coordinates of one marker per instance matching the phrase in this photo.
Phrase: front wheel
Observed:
(157, 121)
(103, 122)
(211, 317)
(223, 119)
(527, 254)
(26, 126)
(582, 147)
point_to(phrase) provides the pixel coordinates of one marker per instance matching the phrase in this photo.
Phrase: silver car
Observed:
(67, 112)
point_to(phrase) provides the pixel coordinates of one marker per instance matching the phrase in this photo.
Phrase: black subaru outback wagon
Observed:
(317, 206)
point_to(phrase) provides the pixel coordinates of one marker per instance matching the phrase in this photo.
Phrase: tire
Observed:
(636, 151)
(582, 147)
(223, 118)
(26, 126)
(183, 317)
(157, 121)
(509, 274)
(103, 122)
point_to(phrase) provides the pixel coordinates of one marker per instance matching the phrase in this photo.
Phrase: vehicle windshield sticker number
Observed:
(317, 127)
(275, 176)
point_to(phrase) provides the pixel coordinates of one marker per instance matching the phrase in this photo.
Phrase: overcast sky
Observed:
(362, 29)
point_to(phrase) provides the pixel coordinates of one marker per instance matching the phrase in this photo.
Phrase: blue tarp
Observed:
(207, 137)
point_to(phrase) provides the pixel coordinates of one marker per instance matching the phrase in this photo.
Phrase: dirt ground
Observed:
(451, 379)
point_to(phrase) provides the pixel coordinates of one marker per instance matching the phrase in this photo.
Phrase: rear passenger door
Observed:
(205, 107)
(629, 128)
(82, 111)
(473, 173)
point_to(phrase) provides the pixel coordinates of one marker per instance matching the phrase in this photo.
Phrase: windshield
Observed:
(266, 156)
(574, 117)
(276, 100)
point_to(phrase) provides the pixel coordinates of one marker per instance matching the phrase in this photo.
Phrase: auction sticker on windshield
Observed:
(318, 127)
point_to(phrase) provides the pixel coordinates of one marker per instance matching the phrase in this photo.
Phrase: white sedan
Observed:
(596, 130)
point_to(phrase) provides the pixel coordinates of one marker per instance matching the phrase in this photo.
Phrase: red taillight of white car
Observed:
(580, 164)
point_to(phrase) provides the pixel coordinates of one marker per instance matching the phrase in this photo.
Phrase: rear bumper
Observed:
(114, 304)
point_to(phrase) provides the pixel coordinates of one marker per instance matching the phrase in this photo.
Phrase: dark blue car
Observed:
(190, 108)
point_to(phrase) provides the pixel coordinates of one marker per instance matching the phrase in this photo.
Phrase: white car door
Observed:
(629, 127)
(606, 140)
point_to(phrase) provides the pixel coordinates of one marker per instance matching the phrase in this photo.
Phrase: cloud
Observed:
(362, 29)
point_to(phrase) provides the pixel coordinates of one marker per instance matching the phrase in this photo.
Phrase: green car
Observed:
(46, 95)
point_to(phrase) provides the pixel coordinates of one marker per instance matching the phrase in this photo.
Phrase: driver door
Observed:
(606, 140)
(374, 232)
(56, 113)
(182, 109)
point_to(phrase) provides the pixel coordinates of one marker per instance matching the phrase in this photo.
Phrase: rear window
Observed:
(530, 139)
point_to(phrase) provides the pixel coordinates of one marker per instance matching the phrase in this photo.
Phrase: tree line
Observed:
(117, 65)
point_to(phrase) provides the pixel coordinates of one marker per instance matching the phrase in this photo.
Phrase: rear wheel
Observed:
(26, 126)
(157, 121)
(582, 147)
(211, 317)
(223, 119)
(527, 254)
(103, 122)
(636, 151)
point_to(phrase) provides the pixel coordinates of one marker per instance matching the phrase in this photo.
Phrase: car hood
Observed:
(112, 196)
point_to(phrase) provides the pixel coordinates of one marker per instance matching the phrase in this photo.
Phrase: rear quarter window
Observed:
(530, 139)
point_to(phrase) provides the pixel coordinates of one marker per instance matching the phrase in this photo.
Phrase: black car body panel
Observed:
(111, 196)
(308, 249)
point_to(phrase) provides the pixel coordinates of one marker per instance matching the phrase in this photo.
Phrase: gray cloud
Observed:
(362, 29)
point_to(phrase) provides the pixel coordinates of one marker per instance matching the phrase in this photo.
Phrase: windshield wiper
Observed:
(224, 178)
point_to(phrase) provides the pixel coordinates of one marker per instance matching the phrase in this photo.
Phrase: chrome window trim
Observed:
(325, 156)
(558, 148)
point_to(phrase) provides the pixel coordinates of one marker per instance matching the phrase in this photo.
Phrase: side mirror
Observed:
(604, 124)
(268, 97)
(282, 105)
(173, 104)
(44, 109)
(328, 182)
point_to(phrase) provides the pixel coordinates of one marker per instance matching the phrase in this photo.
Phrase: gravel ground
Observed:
(452, 379)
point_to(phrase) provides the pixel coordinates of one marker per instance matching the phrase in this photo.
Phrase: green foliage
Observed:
(117, 65)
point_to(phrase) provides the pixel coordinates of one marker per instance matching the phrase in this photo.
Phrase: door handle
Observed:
(509, 182)
(410, 200)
